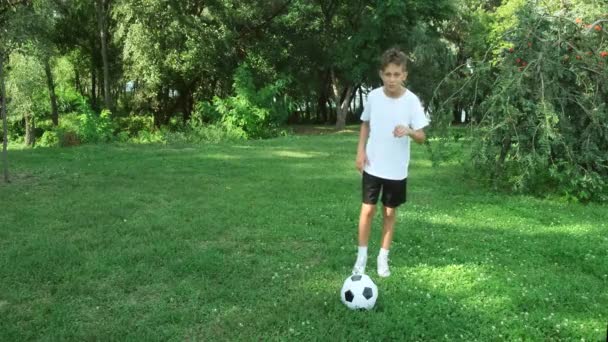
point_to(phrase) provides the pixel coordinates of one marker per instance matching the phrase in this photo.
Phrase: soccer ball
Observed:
(359, 292)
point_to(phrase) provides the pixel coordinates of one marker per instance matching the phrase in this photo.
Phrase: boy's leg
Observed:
(390, 216)
(365, 224)
(394, 195)
(370, 191)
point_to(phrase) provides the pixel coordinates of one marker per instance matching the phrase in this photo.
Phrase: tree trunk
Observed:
(331, 114)
(361, 98)
(353, 104)
(93, 84)
(100, 88)
(77, 84)
(30, 137)
(342, 98)
(322, 108)
(101, 10)
(161, 115)
(4, 124)
(51, 84)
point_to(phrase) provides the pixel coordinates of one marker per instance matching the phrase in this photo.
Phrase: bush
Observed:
(251, 113)
(68, 138)
(539, 103)
(94, 129)
(204, 112)
(215, 133)
(134, 124)
(544, 123)
(69, 100)
(146, 137)
(49, 139)
(66, 134)
(122, 136)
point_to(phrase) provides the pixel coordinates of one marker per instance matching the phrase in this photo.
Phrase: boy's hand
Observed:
(401, 131)
(361, 161)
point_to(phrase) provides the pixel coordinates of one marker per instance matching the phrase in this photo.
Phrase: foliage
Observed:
(95, 128)
(26, 88)
(147, 137)
(546, 115)
(252, 112)
(49, 139)
(197, 71)
(83, 126)
(542, 122)
(68, 100)
(133, 124)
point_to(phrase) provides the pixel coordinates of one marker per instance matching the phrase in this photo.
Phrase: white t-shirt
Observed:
(388, 156)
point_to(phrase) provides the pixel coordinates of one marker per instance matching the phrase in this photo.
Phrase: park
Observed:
(187, 170)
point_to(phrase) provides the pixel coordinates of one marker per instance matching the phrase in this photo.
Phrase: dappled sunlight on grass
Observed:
(296, 154)
(218, 156)
(484, 220)
(506, 216)
(460, 282)
(452, 279)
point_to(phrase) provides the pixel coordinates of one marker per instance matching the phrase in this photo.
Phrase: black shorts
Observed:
(394, 192)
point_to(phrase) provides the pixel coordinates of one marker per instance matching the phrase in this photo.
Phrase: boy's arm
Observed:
(418, 135)
(363, 136)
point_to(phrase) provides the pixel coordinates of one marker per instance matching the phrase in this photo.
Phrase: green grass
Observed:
(252, 241)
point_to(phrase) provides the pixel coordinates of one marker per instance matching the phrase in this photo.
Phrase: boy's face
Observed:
(393, 77)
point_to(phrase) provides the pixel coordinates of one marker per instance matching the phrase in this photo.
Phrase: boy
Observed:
(392, 117)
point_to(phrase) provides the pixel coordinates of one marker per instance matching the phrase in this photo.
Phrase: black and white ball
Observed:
(359, 292)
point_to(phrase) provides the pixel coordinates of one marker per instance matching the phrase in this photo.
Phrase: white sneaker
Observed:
(383, 270)
(359, 267)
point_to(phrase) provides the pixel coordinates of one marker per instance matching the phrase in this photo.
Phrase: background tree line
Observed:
(529, 76)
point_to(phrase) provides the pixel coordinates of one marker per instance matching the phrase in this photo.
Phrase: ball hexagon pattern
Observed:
(359, 292)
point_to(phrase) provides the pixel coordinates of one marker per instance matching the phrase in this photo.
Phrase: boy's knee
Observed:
(389, 212)
(368, 210)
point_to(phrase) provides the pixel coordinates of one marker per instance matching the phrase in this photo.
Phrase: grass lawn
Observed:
(252, 241)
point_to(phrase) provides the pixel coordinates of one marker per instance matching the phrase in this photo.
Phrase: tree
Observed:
(349, 37)
(4, 123)
(77, 34)
(544, 88)
(28, 90)
(182, 52)
(102, 8)
(41, 34)
(10, 11)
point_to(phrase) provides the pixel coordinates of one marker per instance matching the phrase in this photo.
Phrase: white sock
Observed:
(383, 270)
(383, 253)
(362, 252)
